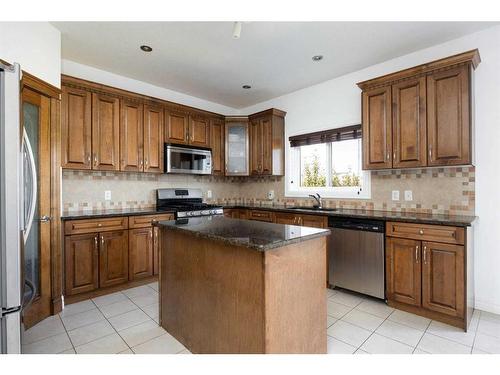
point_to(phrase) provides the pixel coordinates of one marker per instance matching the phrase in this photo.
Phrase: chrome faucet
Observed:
(317, 198)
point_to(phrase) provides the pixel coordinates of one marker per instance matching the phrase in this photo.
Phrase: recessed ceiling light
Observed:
(246, 87)
(317, 57)
(146, 48)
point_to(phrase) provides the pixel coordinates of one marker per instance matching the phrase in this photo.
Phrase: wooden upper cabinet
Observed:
(266, 134)
(113, 258)
(81, 253)
(153, 139)
(76, 129)
(377, 128)
(217, 145)
(199, 131)
(176, 127)
(131, 136)
(409, 126)
(443, 278)
(105, 132)
(255, 147)
(448, 116)
(403, 271)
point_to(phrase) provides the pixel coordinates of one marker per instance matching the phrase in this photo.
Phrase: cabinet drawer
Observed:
(147, 221)
(436, 233)
(261, 215)
(95, 225)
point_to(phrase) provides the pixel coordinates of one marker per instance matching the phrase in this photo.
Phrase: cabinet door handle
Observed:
(146, 163)
(88, 159)
(394, 156)
(430, 152)
(421, 231)
(95, 242)
(416, 254)
(425, 254)
(388, 155)
(95, 160)
(102, 240)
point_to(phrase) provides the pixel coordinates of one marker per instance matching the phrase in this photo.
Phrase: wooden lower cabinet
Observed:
(140, 252)
(285, 218)
(314, 221)
(113, 258)
(81, 263)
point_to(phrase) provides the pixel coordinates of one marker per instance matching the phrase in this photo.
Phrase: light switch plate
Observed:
(107, 195)
(395, 195)
(408, 195)
(209, 194)
(270, 194)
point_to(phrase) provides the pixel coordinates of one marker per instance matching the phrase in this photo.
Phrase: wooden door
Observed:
(285, 218)
(113, 258)
(156, 251)
(81, 253)
(313, 221)
(255, 147)
(76, 128)
(153, 139)
(448, 117)
(217, 144)
(409, 124)
(177, 127)
(105, 133)
(403, 271)
(443, 278)
(140, 253)
(36, 239)
(266, 125)
(199, 131)
(377, 128)
(131, 137)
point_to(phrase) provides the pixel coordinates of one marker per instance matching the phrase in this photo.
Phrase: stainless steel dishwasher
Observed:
(356, 258)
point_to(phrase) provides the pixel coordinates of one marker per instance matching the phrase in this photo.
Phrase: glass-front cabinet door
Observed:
(237, 160)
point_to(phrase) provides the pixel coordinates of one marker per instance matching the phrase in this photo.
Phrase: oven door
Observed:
(187, 160)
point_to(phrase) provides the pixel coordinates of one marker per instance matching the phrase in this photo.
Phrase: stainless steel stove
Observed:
(185, 203)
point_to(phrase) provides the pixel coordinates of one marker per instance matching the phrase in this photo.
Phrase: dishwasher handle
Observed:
(357, 224)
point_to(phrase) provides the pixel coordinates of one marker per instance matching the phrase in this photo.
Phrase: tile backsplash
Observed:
(435, 190)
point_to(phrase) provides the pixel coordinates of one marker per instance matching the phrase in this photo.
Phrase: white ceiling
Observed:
(203, 60)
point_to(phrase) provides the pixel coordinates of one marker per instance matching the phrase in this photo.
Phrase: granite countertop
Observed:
(96, 214)
(454, 220)
(256, 235)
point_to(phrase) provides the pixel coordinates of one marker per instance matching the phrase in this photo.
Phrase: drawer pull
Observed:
(99, 225)
(416, 254)
(421, 231)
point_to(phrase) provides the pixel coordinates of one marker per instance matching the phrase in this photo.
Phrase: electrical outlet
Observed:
(107, 195)
(209, 194)
(270, 194)
(395, 195)
(408, 195)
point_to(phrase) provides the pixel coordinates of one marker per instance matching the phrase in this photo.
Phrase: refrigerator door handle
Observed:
(31, 173)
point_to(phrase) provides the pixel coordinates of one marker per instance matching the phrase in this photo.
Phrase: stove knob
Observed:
(213, 212)
(189, 213)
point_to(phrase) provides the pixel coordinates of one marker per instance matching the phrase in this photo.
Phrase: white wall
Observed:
(111, 79)
(34, 45)
(337, 103)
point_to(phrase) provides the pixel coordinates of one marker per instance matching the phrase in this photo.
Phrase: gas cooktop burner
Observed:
(185, 203)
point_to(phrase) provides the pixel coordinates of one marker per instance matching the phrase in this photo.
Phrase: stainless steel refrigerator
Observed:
(11, 209)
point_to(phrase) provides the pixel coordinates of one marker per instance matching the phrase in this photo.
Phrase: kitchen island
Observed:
(239, 286)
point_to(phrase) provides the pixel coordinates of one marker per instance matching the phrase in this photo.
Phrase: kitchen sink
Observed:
(312, 208)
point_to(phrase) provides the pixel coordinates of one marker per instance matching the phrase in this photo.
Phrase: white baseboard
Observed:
(487, 306)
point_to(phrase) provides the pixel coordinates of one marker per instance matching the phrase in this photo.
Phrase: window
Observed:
(331, 165)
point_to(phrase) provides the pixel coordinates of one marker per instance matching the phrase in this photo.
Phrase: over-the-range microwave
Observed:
(187, 159)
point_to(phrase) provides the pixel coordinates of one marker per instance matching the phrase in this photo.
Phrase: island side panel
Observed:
(211, 294)
(295, 304)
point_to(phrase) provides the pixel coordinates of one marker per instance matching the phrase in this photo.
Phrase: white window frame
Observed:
(294, 190)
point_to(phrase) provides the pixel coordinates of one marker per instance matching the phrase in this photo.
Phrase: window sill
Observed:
(327, 193)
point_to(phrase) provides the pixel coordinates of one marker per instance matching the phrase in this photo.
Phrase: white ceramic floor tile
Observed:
(438, 345)
(330, 292)
(164, 344)
(153, 310)
(361, 351)
(489, 344)
(399, 332)
(51, 345)
(139, 291)
(108, 299)
(377, 344)
(377, 308)
(478, 351)
(348, 333)
(490, 316)
(410, 320)
(110, 344)
(451, 333)
(185, 351)
(330, 320)
(127, 351)
(128, 319)
(154, 285)
(489, 327)
(419, 351)
(48, 327)
(146, 300)
(141, 333)
(90, 332)
(474, 322)
(335, 346)
(69, 351)
(362, 319)
(347, 299)
(337, 310)
(117, 308)
(82, 319)
(78, 307)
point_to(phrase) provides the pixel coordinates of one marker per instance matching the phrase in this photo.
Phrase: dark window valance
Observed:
(325, 136)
